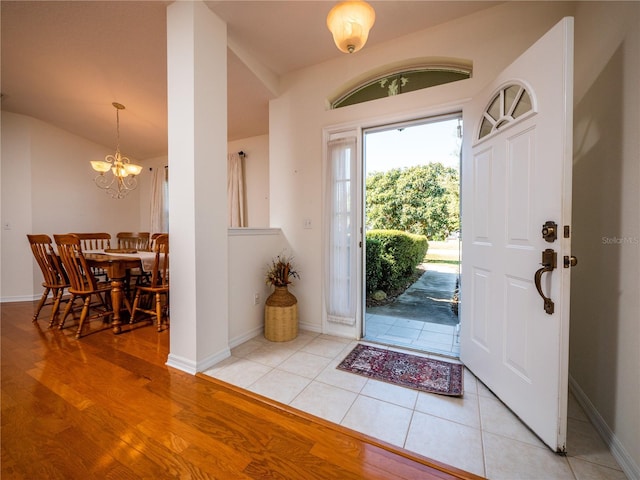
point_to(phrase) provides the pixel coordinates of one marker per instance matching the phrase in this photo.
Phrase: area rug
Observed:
(420, 373)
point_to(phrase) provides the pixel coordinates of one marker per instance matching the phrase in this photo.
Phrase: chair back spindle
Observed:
(80, 275)
(46, 258)
(134, 240)
(53, 274)
(94, 241)
(160, 273)
(82, 280)
(159, 285)
(152, 241)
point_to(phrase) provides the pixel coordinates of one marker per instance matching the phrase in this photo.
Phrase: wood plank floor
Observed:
(106, 406)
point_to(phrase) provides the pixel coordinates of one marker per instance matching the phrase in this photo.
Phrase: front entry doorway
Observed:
(412, 184)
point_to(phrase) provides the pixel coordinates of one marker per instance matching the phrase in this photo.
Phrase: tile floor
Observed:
(476, 433)
(414, 334)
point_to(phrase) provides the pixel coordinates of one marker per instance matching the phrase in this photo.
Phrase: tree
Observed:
(423, 200)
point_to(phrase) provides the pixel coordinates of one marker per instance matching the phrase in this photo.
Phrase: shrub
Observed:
(374, 264)
(391, 257)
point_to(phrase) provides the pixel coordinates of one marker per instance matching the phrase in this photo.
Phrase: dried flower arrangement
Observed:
(280, 271)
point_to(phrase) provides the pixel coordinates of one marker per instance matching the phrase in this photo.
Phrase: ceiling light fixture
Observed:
(124, 172)
(350, 22)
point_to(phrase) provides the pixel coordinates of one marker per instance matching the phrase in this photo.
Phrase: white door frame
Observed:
(452, 108)
(407, 122)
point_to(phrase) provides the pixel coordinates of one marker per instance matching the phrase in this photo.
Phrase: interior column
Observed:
(197, 112)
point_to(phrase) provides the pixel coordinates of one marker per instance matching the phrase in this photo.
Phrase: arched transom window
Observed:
(398, 81)
(509, 104)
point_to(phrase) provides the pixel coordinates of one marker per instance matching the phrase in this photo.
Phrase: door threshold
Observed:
(412, 347)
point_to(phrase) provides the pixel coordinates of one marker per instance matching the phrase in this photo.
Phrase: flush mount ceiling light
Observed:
(123, 178)
(350, 22)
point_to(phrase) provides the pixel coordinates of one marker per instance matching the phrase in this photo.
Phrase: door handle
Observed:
(549, 262)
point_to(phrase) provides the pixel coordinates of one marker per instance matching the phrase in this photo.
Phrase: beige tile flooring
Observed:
(413, 334)
(476, 433)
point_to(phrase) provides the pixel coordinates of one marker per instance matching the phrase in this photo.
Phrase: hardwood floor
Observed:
(106, 406)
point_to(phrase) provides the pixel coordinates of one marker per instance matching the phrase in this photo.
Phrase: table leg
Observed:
(116, 303)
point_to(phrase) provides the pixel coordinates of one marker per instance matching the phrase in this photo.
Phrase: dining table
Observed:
(116, 263)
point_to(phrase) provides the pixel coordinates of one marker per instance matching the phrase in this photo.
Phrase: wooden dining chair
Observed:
(158, 286)
(134, 240)
(83, 283)
(152, 240)
(95, 241)
(55, 280)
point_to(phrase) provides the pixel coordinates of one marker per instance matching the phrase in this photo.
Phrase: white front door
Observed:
(516, 176)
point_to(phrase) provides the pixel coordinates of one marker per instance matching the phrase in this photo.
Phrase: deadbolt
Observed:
(570, 261)
(550, 231)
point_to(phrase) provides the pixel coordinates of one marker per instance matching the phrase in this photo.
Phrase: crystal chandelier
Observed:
(123, 178)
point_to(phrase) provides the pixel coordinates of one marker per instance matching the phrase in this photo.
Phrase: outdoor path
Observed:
(421, 318)
(428, 299)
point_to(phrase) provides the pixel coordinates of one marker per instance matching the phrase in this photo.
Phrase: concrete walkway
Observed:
(428, 299)
(422, 316)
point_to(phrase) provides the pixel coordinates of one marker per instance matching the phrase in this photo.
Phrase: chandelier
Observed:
(123, 178)
(350, 22)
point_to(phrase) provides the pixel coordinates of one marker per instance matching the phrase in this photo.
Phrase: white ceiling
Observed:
(64, 62)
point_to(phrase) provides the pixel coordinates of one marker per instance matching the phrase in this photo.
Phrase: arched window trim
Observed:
(506, 117)
(367, 81)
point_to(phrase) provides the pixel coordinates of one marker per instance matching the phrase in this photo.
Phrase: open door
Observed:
(516, 214)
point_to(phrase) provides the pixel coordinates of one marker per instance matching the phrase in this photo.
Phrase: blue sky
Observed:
(415, 145)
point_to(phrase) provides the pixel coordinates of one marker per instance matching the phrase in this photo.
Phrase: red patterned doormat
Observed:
(420, 373)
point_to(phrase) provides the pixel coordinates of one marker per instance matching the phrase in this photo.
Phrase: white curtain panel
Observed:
(341, 248)
(159, 220)
(235, 190)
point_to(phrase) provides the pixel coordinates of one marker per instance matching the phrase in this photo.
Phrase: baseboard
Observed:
(234, 342)
(256, 332)
(22, 298)
(310, 327)
(211, 360)
(628, 465)
(181, 363)
(189, 366)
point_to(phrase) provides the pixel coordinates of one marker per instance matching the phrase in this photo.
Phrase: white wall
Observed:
(250, 252)
(256, 172)
(605, 302)
(17, 279)
(47, 187)
(491, 39)
(605, 357)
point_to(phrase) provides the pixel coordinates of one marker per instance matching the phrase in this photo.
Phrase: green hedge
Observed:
(392, 257)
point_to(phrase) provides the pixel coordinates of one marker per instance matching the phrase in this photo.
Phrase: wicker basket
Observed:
(281, 316)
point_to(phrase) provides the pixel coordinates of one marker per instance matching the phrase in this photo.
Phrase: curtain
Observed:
(341, 236)
(235, 190)
(159, 201)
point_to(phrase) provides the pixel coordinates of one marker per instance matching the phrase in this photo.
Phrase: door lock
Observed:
(550, 231)
(570, 261)
(549, 263)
